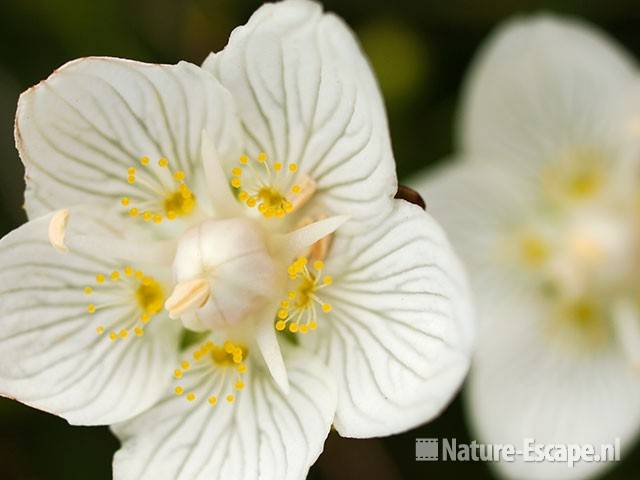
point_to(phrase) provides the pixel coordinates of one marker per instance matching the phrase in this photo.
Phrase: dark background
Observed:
(420, 51)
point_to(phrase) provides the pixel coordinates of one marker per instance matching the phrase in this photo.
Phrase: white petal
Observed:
(270, 349)
(545, 84)
(263, 434)
(50, 354)
(476, 205)
(526, 384)
(306, 95)
(79, 130)
(399, 335)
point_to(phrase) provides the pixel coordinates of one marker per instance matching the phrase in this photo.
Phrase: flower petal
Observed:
(50, 354)
(399, 334)
(545, 84)
(527, 384)
(306, 95)
(81, 129)
(262, 434)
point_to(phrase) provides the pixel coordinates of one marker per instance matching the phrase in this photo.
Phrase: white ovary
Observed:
(224, 273)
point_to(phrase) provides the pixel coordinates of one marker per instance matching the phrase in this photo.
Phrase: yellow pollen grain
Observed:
(185, 365)
(242, 368)
(131, 171)
(128, 271)
(113, 336)
(277, 166)
(313, 325)
(177, 373)
(318, 265)
(100, 330)
(213, 400)
(191, 396)
(239, 385)
(100, 278)
(179, 175)
(115, 275)
(282, 314)
(144, 160)
(293, 167)
(296, 189)
(131, 179)
(146, 216)
(145, 318)
(88, 290)
(133, 212)
(327, 280)
(124, 333)
(163, 162)
(293, 328)
(230, 398)
(125, 201)
(236, 183)
(304, 328)
(326, 308)
(91, 308)
(262, 157)
(138, 331)
(280, 325)
(244, 159)
(179, 390)
(236, 171)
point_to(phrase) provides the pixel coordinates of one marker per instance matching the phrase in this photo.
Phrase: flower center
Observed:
(223, 365)
(270, 187)
(162, 194)
(140, 295)
(298, 311)
(224, 272)
(577, 174)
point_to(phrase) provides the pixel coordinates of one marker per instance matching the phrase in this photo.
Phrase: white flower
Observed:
(543, 205)
(167, 196)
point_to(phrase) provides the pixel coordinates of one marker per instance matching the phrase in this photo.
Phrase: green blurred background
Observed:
(420, 51)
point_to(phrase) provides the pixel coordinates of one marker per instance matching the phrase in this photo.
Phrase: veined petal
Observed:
(271, 353)
(81, 130)
(545, 85)
(399, 332)
(262, 433)
(306, 96)
(527, 382)
(58, 312)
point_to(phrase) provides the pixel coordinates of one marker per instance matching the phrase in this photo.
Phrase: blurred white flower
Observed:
(543, 205)
(210, 198)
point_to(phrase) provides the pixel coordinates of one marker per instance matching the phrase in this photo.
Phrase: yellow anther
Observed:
(229, 347)
(144, 160)
(88, 290)
(146, 216)
(313, 325)
(131, 171)
(262, 157)
(291, 295)
(239, 385)
(296, 189)
(115, 275)
(293, 167)
(293, 327)
(277, 166)
(128, 270)
(133, 212)
(235, 182)
(251, 202)
(179, 175)
(326, 308)
(163, 162)
(191, 396)
(131, 179)
(113, 336)
(244, 159)
(280, 325)
(242, 368)
(145, 318)
(91, 308)
(125, 201)
(304, 328)
(179, 390)
(230, 398)
(327, 280)
(124, 333)
(177, 373)
(185, 365)
(138, 331)
(282, 314)
(157, 218)
(243, 196)
(213, 400)
(100, 330)
(318, 265)
(236, 171)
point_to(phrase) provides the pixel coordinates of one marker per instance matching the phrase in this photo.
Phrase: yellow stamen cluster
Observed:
(298, 312)
(230, 356)
(130, 288)
(170, 196)
(268, 187)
